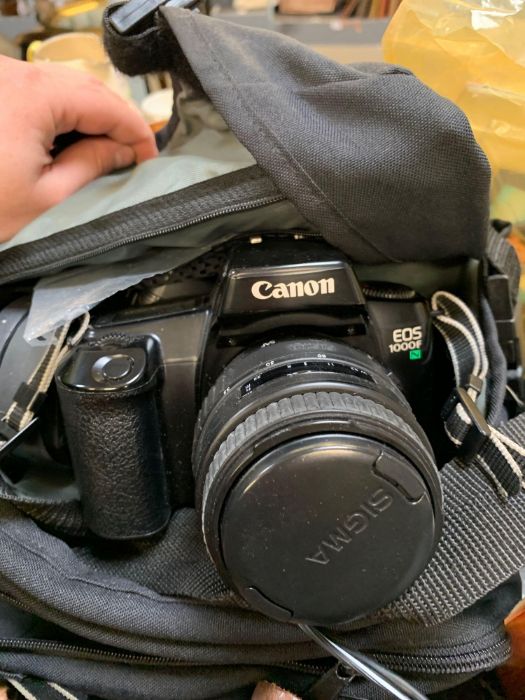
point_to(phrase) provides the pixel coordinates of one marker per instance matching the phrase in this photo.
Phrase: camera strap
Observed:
(476, 440)
(502, 280)
(30, 394)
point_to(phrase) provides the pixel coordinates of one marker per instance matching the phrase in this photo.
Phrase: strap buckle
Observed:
(132, 12)
(478, 430)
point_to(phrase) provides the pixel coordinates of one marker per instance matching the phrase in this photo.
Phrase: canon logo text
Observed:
(311, 288)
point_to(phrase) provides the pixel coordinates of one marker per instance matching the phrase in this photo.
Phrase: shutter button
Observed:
(112, 368)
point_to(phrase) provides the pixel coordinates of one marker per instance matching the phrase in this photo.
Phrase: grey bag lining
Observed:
(127, 233)
(201, 148)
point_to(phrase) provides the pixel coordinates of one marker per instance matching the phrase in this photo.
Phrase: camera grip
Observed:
(115, 446)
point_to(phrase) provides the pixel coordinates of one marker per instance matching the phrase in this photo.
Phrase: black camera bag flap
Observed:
(386, 169)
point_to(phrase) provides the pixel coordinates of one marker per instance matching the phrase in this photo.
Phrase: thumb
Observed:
(82, 162)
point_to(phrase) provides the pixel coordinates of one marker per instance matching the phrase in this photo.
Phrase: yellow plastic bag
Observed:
(473, 52)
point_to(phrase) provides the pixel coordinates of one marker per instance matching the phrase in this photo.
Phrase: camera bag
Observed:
(266, 135)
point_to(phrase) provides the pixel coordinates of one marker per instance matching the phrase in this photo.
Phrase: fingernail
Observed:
(124, 157)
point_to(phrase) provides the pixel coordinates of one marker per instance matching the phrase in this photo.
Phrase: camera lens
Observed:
(318, 490)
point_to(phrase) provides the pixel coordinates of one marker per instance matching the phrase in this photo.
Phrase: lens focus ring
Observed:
(308, 405)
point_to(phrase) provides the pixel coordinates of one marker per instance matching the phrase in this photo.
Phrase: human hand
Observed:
(512, 674)
(263, 691)
(270, 691)
(41, 101)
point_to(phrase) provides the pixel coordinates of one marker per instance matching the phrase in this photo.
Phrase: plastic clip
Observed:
(132, 12)
(10, 439)
(478, 430)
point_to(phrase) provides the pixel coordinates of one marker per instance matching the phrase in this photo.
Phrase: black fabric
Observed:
(177, 564)
(465, 424)
(217, 666)
(41, 690)
(150, 683)
(497, 379)
(368, 154)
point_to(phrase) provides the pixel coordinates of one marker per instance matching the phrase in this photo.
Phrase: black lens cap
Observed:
(327, 528)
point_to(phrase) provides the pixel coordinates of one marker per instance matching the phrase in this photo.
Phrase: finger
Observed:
(270, 691)
(79, 164)
(84, 104)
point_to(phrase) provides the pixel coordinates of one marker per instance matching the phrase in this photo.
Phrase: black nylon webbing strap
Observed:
(6, 433)
(482, 544)
(27, 397)
(467, 427)
(484, 453)
(502, 256)
(26, 393)
(31, 393)
(502, 277)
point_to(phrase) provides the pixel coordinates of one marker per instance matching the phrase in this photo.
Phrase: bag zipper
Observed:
(448, 663)
(430, 662)
(427, 663)
(75, 260)
(437, 663)
(65, 262)
(78, 651)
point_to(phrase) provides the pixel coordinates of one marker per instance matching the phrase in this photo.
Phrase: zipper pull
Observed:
(330, 685)
(360, 665)
(132, 12)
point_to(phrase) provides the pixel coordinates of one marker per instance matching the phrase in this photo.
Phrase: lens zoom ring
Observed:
(301, 404)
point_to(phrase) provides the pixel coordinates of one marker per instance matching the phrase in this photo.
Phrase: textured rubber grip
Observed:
(115, 448)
